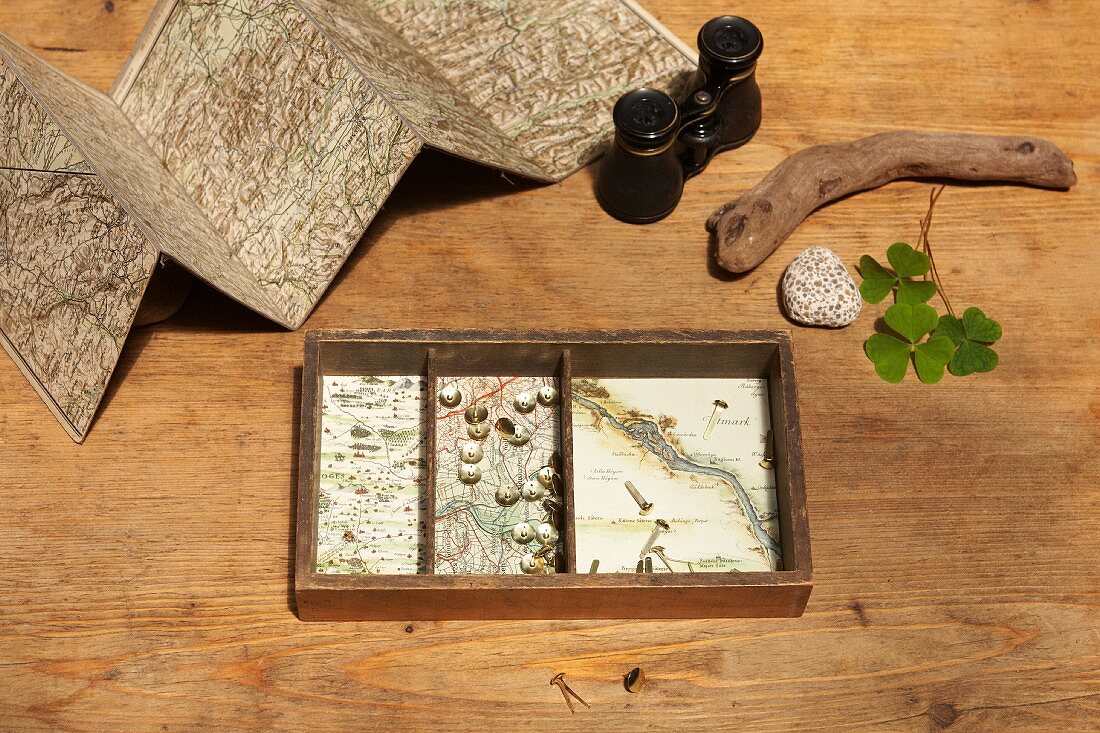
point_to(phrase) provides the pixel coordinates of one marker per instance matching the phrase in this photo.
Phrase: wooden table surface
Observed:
(956, 527)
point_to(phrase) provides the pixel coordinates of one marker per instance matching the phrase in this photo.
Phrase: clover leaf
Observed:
(891, 355)
(971, 336)
(911, 321)
(907, 262)
(877, 280)
(931, 357)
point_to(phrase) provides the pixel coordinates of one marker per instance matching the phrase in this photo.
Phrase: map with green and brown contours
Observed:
(538, 79)
(253, 141)
(29, 139)
(371, 500)
(73, 267)
(283, 145)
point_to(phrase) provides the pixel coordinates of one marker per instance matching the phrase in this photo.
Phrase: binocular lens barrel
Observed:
(728, 44)
(640, 179)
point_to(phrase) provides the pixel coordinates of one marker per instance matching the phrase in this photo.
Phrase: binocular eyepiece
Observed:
(659, 143)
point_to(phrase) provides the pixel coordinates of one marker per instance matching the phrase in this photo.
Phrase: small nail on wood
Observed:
(567, 692)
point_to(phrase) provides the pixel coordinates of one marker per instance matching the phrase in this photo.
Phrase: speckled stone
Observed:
(818, 291)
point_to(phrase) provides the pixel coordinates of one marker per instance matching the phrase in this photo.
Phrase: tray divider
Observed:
(566, 415)
(430, 472)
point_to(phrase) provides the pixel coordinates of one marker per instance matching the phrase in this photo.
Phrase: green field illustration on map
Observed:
(371, 508)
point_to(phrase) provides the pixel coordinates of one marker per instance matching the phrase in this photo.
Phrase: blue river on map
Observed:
(649, 436)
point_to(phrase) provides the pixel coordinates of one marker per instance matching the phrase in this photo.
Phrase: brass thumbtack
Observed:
(645, 506)
(554, 508)
(719, 406)
(768, 461)
(659, 527)
(547, 396)
(478, 430)
(524, 402)
(634, 680)
(449, 396)
(559, 681)
(475, 414)
(660, 553)
(505, 427)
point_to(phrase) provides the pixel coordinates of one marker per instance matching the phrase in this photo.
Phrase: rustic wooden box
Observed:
(567, 594)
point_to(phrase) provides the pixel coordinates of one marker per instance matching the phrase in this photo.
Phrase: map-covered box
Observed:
(483, 475)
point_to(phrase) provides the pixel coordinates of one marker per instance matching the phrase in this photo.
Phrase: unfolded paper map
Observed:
(253, 141)
(712, 492)
(472, 530)
(371, 508)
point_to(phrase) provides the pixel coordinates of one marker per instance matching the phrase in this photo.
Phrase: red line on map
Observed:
(490, 393)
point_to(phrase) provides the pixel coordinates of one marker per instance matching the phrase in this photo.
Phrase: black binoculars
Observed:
(659, 144)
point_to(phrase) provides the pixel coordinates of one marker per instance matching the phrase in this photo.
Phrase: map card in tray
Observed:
(708, 486)
(370, 505)
(473, 530)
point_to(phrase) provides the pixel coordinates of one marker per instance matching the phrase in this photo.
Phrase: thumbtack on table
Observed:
(558, 680)
(634, 680)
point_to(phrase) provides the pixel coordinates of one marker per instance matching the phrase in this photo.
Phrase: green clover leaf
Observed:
(915, 291)
(890, 355)
(877, 280)
(911, 321)
(907, 263)
(918, 334)
(931, 358)
(971, 336)
(979, 328)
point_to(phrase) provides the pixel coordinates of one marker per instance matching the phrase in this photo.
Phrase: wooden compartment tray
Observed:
(567, 593)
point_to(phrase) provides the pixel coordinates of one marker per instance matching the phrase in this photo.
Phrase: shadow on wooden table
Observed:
(434, 181)
(134, 344)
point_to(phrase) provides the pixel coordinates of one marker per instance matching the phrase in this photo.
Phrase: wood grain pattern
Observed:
(750, 228)
(957, 565)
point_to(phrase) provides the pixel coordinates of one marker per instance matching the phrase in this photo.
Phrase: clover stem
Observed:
(926, 247)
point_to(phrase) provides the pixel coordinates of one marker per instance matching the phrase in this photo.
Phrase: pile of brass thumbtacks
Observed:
(545, 485)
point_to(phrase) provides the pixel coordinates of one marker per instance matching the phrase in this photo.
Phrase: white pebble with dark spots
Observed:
(818, 291)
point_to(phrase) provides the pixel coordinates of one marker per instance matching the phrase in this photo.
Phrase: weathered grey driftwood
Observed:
(749, 229)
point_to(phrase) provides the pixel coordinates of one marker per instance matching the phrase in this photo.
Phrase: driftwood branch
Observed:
(749, 229)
